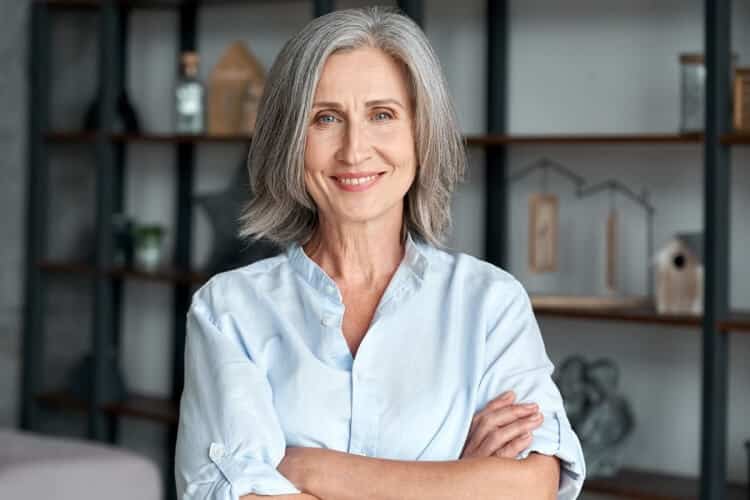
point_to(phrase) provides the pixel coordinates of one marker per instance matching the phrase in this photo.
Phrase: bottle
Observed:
(189, 97)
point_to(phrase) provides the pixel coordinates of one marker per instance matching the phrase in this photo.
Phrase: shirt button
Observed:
(328, 320)
(216, 451)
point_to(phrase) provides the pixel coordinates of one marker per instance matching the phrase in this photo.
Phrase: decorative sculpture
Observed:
(223, 210)
(601, 418)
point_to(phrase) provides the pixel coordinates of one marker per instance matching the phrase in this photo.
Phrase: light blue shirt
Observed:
(267, 366)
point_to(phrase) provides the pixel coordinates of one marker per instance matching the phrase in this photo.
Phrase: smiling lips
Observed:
(357, 182)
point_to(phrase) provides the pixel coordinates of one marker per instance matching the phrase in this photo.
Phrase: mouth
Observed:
(357, 182)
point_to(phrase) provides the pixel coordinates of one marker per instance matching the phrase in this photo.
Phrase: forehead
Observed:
(365, 70)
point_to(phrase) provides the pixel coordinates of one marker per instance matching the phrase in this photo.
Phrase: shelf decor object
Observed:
(189, 96)
(602, 418)
(125, 116)
(235, 86)
(611, 274)
(543, 231)
(543, 215)
(692, 92)
(613, 187)
(679, 275)
(223, 210)
(149, 239)
(538, 229)
(742, 100)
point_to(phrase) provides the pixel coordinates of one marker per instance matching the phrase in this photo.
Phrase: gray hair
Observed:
(281, 210)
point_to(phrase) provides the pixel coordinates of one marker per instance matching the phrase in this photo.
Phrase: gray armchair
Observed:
(34, 466)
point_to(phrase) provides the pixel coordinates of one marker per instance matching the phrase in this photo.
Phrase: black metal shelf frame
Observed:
(110, 157)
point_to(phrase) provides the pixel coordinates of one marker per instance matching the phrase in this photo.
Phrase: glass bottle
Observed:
(189, 95)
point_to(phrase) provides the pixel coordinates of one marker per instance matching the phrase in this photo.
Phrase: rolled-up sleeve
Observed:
(229, 440)
(516, 360)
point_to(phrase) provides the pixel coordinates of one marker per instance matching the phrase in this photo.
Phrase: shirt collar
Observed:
(415, 259)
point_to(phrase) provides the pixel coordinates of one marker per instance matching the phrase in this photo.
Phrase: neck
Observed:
(358, 255)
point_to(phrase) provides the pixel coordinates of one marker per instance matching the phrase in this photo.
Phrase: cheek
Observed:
(313, 156)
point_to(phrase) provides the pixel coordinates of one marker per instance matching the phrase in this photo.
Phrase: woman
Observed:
(351, 365)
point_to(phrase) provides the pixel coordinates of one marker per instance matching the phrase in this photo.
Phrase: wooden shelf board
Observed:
(135, 405)
(165, 275)
(180, 138)
(736, 138)
(145, 407)
(738, 321)
(500, 139)
(632, 315)
(644, 485)
(146, 4)
(70, 137)
(67, 267)
(89, 137)
(62, 399)
(162, 275)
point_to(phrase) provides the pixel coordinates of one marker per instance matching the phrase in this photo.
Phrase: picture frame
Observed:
(543, 233)
(611, 271)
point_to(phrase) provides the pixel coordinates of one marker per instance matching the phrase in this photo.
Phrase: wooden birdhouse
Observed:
(679, 275)
(235, 87)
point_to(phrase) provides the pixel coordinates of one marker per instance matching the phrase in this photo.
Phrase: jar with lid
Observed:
(693, 92)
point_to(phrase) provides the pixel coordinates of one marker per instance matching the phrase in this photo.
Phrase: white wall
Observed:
(603, 66)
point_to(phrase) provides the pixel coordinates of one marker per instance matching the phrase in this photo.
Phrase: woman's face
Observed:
(360, 157)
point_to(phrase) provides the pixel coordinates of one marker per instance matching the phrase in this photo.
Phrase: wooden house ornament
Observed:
(235, 86)
(742, 100)
(679, 275)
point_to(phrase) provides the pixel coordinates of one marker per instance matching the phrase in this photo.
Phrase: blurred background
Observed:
(590, 102)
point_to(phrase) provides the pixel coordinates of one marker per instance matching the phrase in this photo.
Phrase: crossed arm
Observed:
(323, 474)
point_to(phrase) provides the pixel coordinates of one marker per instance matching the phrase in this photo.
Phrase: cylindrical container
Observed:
(692, 92)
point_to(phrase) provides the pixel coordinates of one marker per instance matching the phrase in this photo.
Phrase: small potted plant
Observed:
(148, 246)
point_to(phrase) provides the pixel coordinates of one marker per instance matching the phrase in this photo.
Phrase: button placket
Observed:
(364, 428)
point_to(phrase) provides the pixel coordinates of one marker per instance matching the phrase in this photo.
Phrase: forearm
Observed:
(343, 476)
(296, 496)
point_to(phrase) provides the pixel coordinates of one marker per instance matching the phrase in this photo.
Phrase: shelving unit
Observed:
(110, 150)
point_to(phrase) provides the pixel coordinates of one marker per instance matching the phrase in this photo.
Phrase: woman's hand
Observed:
(502, 429)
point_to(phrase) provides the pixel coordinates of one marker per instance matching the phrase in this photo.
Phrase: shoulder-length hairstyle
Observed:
(281, 210)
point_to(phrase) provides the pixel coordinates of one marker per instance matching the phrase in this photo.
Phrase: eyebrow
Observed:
(376, 102)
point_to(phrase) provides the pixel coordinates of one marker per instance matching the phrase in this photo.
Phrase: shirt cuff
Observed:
(231, 477)
(556, 438)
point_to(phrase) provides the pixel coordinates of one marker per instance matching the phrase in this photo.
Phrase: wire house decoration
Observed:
(543, 228)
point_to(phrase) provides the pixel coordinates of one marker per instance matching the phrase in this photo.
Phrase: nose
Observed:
(355, 145)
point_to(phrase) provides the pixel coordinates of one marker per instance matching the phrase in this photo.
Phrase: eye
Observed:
(324, 119)
(387, 114)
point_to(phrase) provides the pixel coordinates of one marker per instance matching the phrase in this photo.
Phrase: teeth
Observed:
(356, 180)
